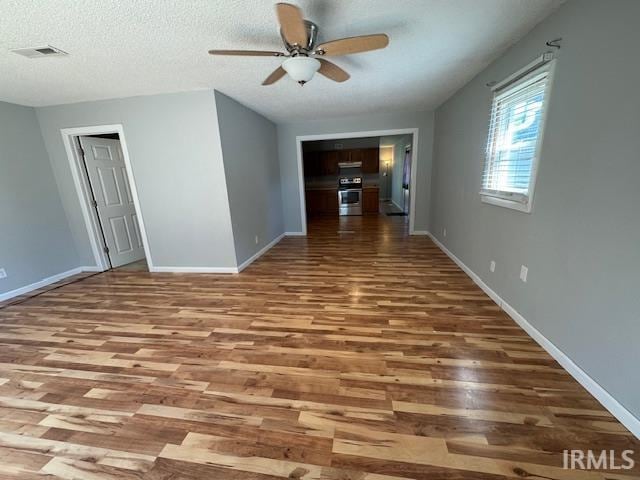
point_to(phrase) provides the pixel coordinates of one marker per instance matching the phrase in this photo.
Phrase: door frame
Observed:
(408, 148)
(81, 183)
(369, 133)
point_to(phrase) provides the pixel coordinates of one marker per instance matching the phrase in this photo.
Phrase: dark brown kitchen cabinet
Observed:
(356, 155)
(352, 155)
(311, 164)
(370, 201)
(370, 160)
(329, 162)
(344, 156)
(318, 164)
(326, 163)
(321, 202)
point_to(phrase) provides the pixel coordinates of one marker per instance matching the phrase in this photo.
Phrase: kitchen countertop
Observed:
(320, 187)
(332, 186)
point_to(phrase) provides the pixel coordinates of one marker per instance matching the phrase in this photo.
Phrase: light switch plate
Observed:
(523, 273)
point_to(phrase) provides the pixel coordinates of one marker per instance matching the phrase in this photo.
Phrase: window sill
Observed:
(503, 202)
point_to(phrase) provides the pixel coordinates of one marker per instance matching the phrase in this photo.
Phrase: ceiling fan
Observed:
(304, 57)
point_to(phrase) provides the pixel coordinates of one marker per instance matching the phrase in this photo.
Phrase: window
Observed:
(515, 136)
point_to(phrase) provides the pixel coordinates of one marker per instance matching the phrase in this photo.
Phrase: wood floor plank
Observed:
(355, 353)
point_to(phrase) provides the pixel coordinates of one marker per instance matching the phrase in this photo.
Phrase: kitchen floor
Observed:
(387, 206)
(357, 352)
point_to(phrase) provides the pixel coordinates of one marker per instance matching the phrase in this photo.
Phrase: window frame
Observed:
(520, 202)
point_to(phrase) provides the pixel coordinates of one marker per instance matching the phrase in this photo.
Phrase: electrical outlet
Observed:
(444, 232)
(3, 273)
(523, 273)
(257, 239)
(492, 266)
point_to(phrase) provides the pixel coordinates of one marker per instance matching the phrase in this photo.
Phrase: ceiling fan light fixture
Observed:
(301, 69)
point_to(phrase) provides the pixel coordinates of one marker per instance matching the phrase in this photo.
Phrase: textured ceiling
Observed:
(124, 48)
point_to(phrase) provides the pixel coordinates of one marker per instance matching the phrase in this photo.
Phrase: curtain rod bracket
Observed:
(555, 43)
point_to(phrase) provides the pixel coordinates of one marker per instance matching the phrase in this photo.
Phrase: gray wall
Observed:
(174, 145)
(250, 152)
(35, 241)
(288, 132)
(581, 243)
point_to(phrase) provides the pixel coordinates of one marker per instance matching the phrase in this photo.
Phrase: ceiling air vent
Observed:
(38, 52)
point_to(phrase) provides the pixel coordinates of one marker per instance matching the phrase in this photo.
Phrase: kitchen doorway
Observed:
(357, 175)
(108, 197)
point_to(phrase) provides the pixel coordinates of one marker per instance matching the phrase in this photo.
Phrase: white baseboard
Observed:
(594, 388)
(193, 269)
(90, 269)
(493, 295)
(238, 269)
(605, 398)
(46, 281)
(420, 232)
(259, 253)
(295, 234)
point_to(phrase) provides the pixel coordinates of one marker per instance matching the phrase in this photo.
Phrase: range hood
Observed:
(350, 165)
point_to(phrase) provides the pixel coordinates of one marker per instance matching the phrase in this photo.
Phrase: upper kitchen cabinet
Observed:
(329, 162)
(356, 155)
(311, 164)
(326, 163)
(318, 164)
(370, 160)
(344, 156)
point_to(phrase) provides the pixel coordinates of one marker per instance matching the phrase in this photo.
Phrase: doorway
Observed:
(328, 152)
(406, 180)
(399, 160)
(108, 197)
(352, 179)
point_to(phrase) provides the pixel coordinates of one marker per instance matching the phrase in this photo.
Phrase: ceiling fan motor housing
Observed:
(312, 36)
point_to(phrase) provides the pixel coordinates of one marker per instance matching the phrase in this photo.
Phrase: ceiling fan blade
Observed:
(332, 71)
(276, 75)
(292, 23)
(249, 53)
(345, 46)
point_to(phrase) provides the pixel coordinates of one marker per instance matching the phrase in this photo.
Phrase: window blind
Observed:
(515, 128)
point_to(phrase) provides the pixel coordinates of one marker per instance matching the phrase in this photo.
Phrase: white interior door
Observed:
(116, 210)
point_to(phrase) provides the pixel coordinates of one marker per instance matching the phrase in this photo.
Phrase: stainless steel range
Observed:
(350, 196)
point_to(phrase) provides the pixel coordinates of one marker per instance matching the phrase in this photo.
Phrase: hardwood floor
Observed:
(355, 353)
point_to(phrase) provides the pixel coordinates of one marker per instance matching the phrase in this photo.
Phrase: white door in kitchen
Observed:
(113, 200)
